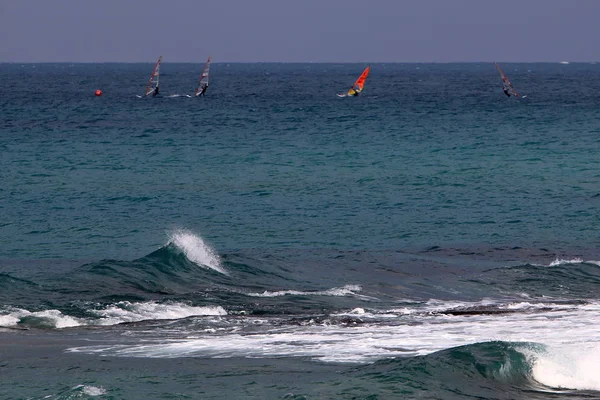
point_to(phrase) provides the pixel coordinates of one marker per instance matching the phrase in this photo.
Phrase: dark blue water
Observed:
(428, 239)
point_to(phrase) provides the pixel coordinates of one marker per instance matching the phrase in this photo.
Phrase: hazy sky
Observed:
(299, 30)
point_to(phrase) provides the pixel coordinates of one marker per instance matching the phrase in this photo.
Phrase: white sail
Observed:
(203, 83)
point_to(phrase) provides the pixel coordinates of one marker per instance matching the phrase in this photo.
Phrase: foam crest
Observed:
(38, 319)
(559, 262)
(196, 250)
(78, 392)
(91, 390)
(342, 291)
(8, 320)
(133, 312)
(568, 367)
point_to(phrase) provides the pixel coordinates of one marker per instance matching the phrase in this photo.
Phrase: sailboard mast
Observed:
(507, 86)
(203, 83)
(153, 81)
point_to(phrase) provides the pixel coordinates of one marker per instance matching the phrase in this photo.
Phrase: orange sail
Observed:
(153, 81)
(360, 82)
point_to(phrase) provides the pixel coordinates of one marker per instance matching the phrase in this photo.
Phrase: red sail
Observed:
(360, 82)
(155, 74)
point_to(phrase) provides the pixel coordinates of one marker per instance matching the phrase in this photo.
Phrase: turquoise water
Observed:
(428, 239)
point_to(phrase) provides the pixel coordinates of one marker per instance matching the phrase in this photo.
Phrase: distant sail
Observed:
(153, 81)
(507, 86)
(359, 84)
(203, 83)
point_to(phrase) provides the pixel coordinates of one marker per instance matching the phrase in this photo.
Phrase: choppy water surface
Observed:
(429, 239)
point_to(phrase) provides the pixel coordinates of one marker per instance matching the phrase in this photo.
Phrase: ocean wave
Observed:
(479, 370)
(114, 314)
(362, 335)
(521, 370)
(560, 279)
(347, 290)
(558, 262)
(196, 250)
(185, 264)
(92, 390)
(567, 366)
(16, 289)
(134, 312)
(77, 392)
(462, 308)
(47, 319)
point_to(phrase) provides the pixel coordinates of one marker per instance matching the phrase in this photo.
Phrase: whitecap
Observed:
(91, 390)
(568, 367)
(196, 250)
(50, 318)
(125, 311)
(559, 262)
(341, 291)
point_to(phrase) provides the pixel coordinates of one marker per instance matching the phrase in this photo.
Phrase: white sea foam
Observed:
(49, 318)
(568, 366)
(440, 307)
(111, 315)
(408, 335)
(369, 315)
(133, 312)
(196, 250)
(559, 262)
(91, 390)
(348, 290)
(357, 311)
(58, 319)
(8, 320)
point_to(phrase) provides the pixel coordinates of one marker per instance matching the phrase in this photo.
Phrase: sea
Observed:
(428, 239)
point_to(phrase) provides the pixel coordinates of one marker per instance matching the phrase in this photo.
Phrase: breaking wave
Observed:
(196, 250)
(113, 314)
(348, 290)
(567, 366)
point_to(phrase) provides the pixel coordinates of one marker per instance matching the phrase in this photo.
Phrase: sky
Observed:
(299, 30)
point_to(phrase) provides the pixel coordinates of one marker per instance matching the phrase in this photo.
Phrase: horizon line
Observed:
(302, 62)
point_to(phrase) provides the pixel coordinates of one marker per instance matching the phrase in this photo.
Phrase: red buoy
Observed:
(98, 92)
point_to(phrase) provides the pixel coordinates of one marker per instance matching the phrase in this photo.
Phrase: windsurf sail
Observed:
(359, 84)
(203, 83)
(507, 86)
(152, 85)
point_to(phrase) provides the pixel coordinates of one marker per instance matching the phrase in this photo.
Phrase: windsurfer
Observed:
(203, 90)
(155, 92)
(506, 91)
(357, 87)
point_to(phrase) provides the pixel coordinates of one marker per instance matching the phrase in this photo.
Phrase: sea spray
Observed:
(568, 367)
(196, 250)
